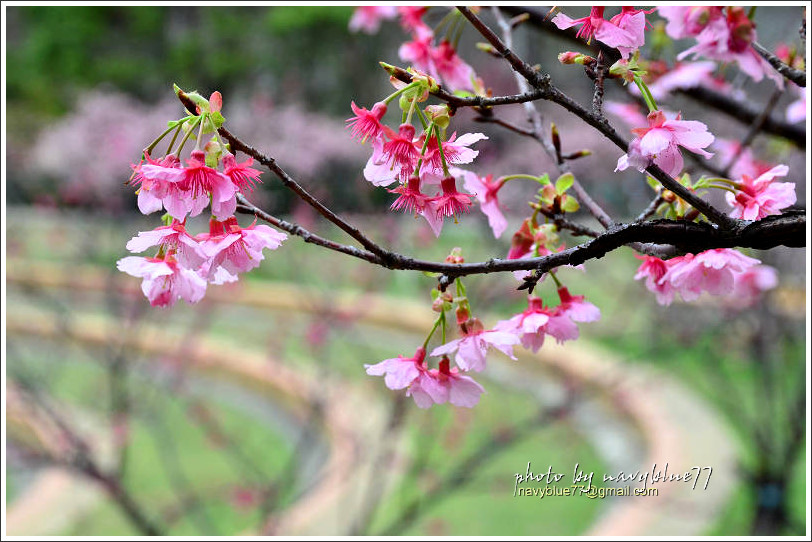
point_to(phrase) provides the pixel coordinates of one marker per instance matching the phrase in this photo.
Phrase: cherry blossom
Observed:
(411, 199)
(528, 326)
(472, 347)
(451, 202)
(237, 249)
(713, 271)
(624, 31)
(561, 323)
(400, 151)
(454, 72)
(186, 248)
(796, 111)
(366, 124)
(242, 175)
(660, 142)
(164, 280)
(485, 189)
(760, 197)
(161, 186)
(653, 269)
(399, 372)
(368, 18)
(750, 285)
(200, 179)
(441, 385)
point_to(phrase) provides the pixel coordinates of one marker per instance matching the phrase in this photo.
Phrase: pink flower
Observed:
(377, 170)
(242, 175)
(727, 38)
(456, 152)
(411, 19)
(454, 72)
(411, 199)
(400, 151)
(164, 280)
(400, 372)
(451, 202)
(444, 385)
(419, 53)
(237, 249)
(485, 189)
(366, 124)
(561, 323)
(660, 141)
(653, 270)
(200, 179)
(760, 197)
(161, 186)
(368, 18)
(473, 346)
(751, 284)
(528, 326)
(713, 271)
(625, 38)
(686, 21)
(185, 247)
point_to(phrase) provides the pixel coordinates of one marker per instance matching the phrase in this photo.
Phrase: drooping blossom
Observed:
(528, 326)
(561, 324)
(187, 249)
(242, 174)
(624, 31)
(399, 372)
(713, 271)
(687, 21)
(760, 197)
(368, 19)
(202, 179)
(237, 249)
(418, 52)
(660, 142)
(750, 285)
(161, 185)
(377, 170)
(451, 202)
(165, 281)
(441, 385)
(473, 346)
(454, 72)
(485, 189)
(400, 151)
(410, 198)
(653, 269)
(366, 124)
(629, 113)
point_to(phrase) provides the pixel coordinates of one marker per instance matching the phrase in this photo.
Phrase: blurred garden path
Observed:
(675, 425)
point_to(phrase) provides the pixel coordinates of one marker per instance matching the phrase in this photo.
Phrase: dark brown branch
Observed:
(487, 116)
(796, 76)
(597, 97)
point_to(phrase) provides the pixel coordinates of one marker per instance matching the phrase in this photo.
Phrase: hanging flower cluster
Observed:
(625, 31)
(185, 264)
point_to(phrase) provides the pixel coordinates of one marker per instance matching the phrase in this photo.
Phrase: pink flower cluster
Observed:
(722, 34)
(659, 143)
(559, 322)
(720, 272)
(446, 384)
(425, 189)
(625, 31)
(185, 264)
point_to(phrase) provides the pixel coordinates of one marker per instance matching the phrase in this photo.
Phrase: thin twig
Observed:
(651, 209)
(597, 97)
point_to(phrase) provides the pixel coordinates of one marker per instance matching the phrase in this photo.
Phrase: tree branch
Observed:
(796, 76)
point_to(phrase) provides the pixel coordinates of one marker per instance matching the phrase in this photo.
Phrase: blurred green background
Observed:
(192, 449)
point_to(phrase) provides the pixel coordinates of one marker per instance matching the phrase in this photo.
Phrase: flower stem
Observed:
(158, 139)
(442, 154)
(521, 176)
(652, 105)
(398, 93)
(189, 133)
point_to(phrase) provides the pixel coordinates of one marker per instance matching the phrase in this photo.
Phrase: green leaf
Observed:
(653, 183)
(569, 204)
(564, 182)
